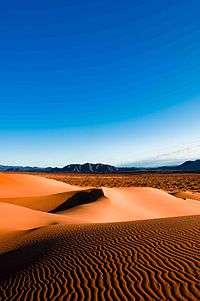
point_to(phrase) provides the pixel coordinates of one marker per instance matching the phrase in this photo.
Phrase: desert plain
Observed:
(100, 237)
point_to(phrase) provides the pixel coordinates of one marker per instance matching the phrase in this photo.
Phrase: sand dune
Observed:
(28, 208)
(16, 220)
(74, 204)
(13, 218)
(44, 203)
(15, 185)
(143, 260)
(187, 195)
(34, 192)
(91, 204)
(63, 242)
(129, 204)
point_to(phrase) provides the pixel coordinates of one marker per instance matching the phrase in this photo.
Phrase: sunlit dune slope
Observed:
(141, 260)
(16, 222)
(14, 218)
(62, 242)
(92, 205)
(34, 192)
(44, 203)
(126, 204)
(13, 185)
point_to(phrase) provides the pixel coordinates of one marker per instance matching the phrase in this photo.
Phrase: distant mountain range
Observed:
(188, 166)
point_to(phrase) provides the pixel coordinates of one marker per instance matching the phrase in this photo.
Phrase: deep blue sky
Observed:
(109, 81)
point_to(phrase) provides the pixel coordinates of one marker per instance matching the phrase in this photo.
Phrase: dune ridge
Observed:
(97, 204)
(79, 198)
(143, 260)
(32, 206)
(187, 195)
(24, 185)
(63, 242)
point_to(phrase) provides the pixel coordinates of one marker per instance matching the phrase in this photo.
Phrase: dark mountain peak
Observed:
(191, 162)
(90, 167)
(190, 165)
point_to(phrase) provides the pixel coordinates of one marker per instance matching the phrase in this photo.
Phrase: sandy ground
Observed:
(63, 242)
(170, 182)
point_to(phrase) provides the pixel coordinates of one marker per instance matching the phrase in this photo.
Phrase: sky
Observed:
(99, 81)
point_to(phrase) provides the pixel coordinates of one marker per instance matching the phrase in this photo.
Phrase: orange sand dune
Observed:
(128, 204)
(13, 185)
(187, 195)
(44, 203)
(14, 218)
(29, 210)
(112, 205)
(141, 260)
(16, 221)
(34, 192)
(57, 242)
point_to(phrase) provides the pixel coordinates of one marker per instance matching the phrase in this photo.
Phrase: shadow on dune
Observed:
(91, 262)
(80, 198)
(22, 258)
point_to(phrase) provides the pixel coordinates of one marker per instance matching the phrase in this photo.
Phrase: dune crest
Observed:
(141, 260)
(133, 203)
(15, 185)
(63, 242)
(15, 218)
(76, 204)
(187, 195)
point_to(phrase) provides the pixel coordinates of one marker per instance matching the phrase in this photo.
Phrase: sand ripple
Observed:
(143, 260)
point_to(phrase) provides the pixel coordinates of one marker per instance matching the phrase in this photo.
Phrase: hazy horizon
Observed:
(163, 159)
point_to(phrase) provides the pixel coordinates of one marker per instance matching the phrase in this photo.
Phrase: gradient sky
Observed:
(99, 81)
